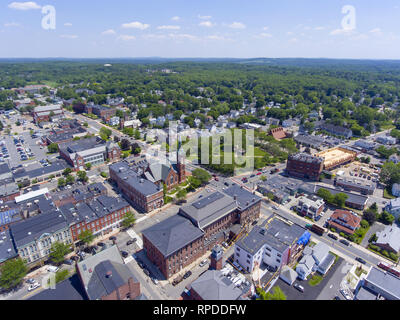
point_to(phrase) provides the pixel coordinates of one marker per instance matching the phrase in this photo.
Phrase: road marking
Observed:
(133, 235)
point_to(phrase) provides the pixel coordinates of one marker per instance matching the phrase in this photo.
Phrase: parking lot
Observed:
(310, 292)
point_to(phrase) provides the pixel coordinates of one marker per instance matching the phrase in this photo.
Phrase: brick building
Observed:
(344, 221)
(101, 215)
(180, 240)
(143, 194)
(92, 150)
(303, 165)
(104, 276)
(47, 113)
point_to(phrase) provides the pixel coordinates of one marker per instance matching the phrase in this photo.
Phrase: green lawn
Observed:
(315, 280)
(387, 194)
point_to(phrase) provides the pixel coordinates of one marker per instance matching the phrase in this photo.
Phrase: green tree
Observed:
(52, 148)
(105, 133)
(202, 175)
(82, 176)
(276, 293)
(70, 180)
(137, 134)
(58, 251)
(326, 195)
(181, 194)
(12, 273)
(61, 182)
(67, 171)
(88, 166)
(86, 236)
(129, 220)
(340, 199)
(387, 218)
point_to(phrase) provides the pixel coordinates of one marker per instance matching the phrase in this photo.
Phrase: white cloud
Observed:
(290, 33)
(319, 28)
(169, 28)
(218, 38)
(29, 5)
(69, 36)
(207, 24)
(176, 18)
(376, 32)
(108, 32)
(135, 25)
(126, 37)
(182, 36)
(294, 40)
(204, 17)
(265, 35)
(68, 24)
(12, 24)
(346, 32)
(266, 28)
(152, 36)
(237, 25)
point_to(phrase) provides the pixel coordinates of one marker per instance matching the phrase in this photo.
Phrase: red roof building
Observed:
(278, 133)
(344, 221)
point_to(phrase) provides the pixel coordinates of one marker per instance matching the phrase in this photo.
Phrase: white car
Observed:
(34, 286)
(52, 269)
(346, 295)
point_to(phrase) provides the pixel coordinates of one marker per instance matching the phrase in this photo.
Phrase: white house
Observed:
(393, 207)
(396, 190)
(314, 259)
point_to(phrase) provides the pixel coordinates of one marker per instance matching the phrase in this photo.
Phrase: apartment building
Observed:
(310, 206)
(303, 165)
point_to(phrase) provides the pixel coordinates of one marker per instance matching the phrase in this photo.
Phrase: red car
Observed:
(259, 174)
(216, 179)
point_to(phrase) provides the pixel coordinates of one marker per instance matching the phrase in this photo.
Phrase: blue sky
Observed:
(188, 28)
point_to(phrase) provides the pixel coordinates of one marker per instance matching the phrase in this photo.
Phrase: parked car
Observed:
(146, 272)
(155, 281)
(299, 287)
(345, 294)
(52, 269)
(187, 274)
(331, 235)
(345, 242)
(112, 238)
(124, 254)
(254, 223)
(130, 242)
(30, 281)
(69, 262)
(361, 260)
(337, 298)
(203, 263)
(34, 286)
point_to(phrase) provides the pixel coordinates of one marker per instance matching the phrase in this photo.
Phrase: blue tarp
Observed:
(304, 239)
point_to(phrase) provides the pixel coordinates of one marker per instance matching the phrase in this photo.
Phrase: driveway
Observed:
(310, 293)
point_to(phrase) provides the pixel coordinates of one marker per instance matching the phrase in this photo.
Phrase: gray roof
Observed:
(385, 281)
(143, 186)
(68, 290)
(172, 234)
(7, 249)
(329, 259)
(94, 269)
(352, 198)
(365, 294)
(289, 274)
(8, 189)
(4, 168)
(206, 210)
(213, 285)
(320, 251)
(277, 234)
(82, 145)
(390, 236)
(244, 198)
(29, 230)
(57, 166)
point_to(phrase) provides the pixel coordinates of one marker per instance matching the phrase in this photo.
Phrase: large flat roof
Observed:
(336, 155)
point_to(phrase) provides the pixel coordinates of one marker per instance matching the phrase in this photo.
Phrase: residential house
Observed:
(344, 221)
(389, 239)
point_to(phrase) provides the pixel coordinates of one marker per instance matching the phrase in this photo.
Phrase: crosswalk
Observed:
(133, 235)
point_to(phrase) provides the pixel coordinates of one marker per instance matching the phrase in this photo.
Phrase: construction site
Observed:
(336, 157)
